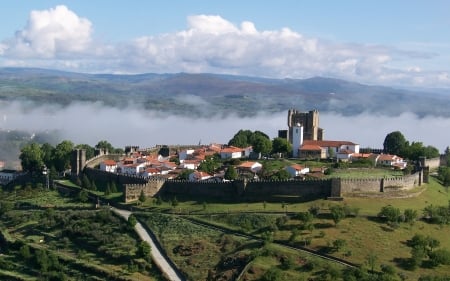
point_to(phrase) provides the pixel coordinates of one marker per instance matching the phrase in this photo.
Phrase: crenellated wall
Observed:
(404, 183)
(151, 188)
(434, 163)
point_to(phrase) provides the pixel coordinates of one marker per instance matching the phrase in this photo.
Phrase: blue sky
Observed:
(400, 43)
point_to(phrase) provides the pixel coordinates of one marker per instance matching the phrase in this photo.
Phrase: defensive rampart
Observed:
(287, 191)
(434, 163)
(113, 177)
(385, 185)
(95, 161)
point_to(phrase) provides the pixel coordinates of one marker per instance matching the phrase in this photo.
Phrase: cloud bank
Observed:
(59, 38)
(90, 123)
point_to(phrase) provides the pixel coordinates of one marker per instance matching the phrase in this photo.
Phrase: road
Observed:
(157, 257)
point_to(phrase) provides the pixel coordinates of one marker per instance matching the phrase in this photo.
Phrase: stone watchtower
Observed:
(78, 161)
(308, 120)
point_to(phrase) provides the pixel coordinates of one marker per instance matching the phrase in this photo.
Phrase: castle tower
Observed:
(309, 121)
(297, 139)
(78, 161)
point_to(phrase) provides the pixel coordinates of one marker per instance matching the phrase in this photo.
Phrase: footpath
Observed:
(159, 259)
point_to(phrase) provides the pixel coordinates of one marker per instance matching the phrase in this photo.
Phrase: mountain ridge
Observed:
(241, 95)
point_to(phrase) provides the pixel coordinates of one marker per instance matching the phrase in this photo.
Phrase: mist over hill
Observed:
(149, 109)
(210, 94)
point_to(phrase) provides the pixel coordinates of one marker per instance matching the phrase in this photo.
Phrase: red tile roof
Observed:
(109, 162)
(297, 167)
(231, 149)
(310, 147)
(327, 143)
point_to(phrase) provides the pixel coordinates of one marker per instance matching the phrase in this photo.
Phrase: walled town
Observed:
(156, 171)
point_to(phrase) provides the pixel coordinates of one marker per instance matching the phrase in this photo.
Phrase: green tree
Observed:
(184, 175)
(144, 250)
(262, 145)
(85, 182)
(371, 260)
(339, 244)
(103, 144)
(90, 151)
(241, 139)
(25, 252)
(164, 151)
(410, 215)
(132, 221)
(93, 186)
(174, 201)
(113, 187)
(209, 165)
(440, 257)
(281, 175)
(83, 196)
(108, 189)
(390, 213)
(337, 213)
(231, 173)
(394, 143)
(48, 152)
(281, 145)
(62, 155)
(31, 157)
(142, 197)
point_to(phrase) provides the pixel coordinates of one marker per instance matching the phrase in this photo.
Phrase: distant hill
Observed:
(204, 94)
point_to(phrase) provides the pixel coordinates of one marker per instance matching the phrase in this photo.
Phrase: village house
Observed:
(322, 149)
(232, 152)
(390, 161)
(108, 166)
(150, 172)
(189, 164)
(248, 166)
(199, 176)
(297, 170)
(132, 169)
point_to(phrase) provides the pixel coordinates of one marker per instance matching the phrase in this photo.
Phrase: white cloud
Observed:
(53, 33)
(59, 38)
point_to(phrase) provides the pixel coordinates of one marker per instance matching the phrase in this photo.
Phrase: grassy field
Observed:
(364, 234)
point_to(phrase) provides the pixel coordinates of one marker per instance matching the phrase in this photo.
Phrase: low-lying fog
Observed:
(90, 123)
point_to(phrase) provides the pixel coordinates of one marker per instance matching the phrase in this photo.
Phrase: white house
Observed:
(327, 148)
(150, 172)
(253, 167)
(185, 154)
(190, 164)
(199, 176)
(108, 166)
(297, 170)
(390, 160)
(133, 169)
(235, 152)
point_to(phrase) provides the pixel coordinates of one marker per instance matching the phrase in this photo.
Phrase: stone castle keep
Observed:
(247, 191)
(308, 120)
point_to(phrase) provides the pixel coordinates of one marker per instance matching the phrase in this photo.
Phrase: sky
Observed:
(402, 43)
(394, 43)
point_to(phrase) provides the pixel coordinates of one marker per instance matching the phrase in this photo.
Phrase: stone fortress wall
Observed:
(262, 190)
(271, 191)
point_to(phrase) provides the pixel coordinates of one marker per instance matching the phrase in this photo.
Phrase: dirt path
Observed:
(157, 257)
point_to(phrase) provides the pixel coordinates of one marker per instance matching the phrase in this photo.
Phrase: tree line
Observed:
(34, 156)
(395, 143)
